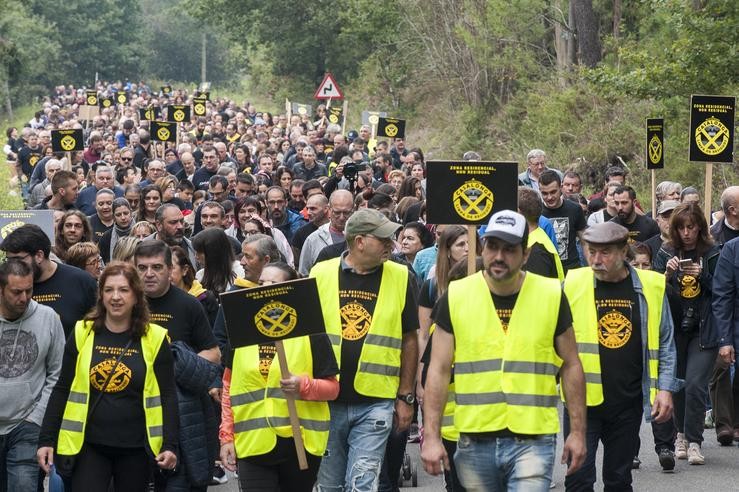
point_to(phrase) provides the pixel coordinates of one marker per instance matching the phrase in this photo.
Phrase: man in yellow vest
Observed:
(543, 258)
(371, 316)
(509, 333)
(624, 335)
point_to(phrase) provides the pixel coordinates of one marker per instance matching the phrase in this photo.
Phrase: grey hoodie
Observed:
(31, 349)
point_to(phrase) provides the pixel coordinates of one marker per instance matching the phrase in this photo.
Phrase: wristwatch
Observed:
(409, 398)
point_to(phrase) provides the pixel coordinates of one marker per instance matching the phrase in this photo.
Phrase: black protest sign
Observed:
(272, 312)
(202, 95)
(11, 220)
(91, 98)
(334, 114)
(199, 106)
(391, 127)
(106, 102)
(67, 140)
(712, 128)
(163, 131)
(166, 89)
(302, 109)
(655, 143)
(121, 97)
(150, 113)
(372, 118)
(178, 113)
(469, 192)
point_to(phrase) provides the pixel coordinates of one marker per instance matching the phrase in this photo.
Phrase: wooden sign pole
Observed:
(343, 117)
(69, 162)
(292, 410)
(289, 111)
(654, 197)
(472, 248)
(708, 191)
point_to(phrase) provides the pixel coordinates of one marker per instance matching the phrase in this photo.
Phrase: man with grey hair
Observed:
(103, 179)
(536, 161)
(341, 206)
(43, 189)
(668, 190)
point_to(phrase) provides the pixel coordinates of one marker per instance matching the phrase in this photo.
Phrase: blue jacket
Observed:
(86, 198)
(726, 294)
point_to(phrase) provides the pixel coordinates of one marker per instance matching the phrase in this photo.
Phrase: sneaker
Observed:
(635, 463)
(666, 459)
(681, 447)
(694, 454)
(725, 437)
(219, 475)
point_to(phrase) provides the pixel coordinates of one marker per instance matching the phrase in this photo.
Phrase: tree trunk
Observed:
(571, 46)
(8, 102)
(587, 32)
(617, 18)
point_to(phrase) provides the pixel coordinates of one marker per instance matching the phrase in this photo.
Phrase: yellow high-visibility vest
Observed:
(74, 421)
(539, 236)
(378, 371)
(260, 407)
(579, 287)
(505, 380)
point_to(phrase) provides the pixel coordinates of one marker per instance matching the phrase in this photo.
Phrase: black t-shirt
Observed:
(119, 418)
(302, 234)
(27, 158)
(98, 228)
(71, 292)
(183, 317)
(357, 298)
(567, 219)
(541, 262)
(201, 178)
(619, 341)
(654, 243)
(641, 229)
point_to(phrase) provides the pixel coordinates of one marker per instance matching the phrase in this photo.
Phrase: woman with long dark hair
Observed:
(151, 199)
(73, 228)
(122, 226)
(688, 260)
(114, 407)
(220, 267)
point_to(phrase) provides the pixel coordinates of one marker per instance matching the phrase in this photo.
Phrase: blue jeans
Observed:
(18, 467)
(356, 446)
(505, 464)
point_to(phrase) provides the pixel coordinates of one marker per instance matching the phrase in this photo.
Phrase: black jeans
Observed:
(97, 464)
(694, 365)
(393, 462)
(724, 397)
(618, 429)
(278, 470)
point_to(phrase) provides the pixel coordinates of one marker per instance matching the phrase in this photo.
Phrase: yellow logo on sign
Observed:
(199, 109)
(163, 134)
(473, 200)
(374, 119)
(121, 98)
(302, 110)
(655, 149)
(391, 130)
(92, 100)
(10, 227)
(712, 136)
(333, 118)
(276, 319)
(106, 103)
(178, 115)
(68, 142)
(149, 114)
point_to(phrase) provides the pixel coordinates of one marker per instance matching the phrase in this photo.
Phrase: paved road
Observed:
(720, 473)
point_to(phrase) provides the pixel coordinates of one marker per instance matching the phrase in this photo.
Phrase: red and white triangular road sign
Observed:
(328, 89)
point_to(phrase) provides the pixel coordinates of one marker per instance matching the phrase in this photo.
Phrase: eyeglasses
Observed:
(126, 159)
(11, 256)
(93, 261)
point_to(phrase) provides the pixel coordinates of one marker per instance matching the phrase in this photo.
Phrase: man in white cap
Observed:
(508, 333)
(371, 316)
(624, 335)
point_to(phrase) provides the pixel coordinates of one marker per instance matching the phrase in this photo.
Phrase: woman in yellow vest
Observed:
(114, 407)
(255, 432)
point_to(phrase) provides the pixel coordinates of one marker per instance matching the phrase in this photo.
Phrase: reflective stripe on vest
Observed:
(378, 371)
(539, 236)
(260, 407)
(505, 380)
(579, 287)
(72, 430)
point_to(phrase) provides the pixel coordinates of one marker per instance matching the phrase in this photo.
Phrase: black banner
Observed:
(150, 114)
(334, 114)
(121, 97)
(179, 113)
(655, 143)
(372, 118)
(91, 98)
(712, 128)
(302, 109)
(163, 131)
(166, 90)
(272, 312)
(202, 95)
(11, 220)
(106, 102)
(391, 127)
(199, 106)
(469, 192)
(67, 140)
